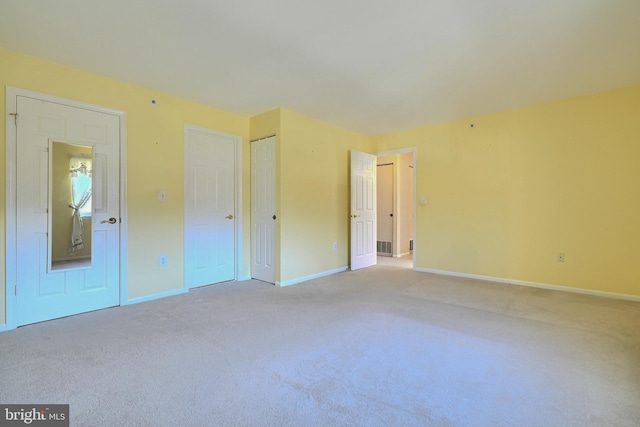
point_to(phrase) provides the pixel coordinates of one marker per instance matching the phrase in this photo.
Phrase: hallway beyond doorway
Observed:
(405, 261)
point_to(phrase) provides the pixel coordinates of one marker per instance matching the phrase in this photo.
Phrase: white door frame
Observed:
(238, 193)
(414, 151)
(11, 173)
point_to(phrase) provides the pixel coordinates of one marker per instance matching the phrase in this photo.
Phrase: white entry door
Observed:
(42, 291)
(363, 210)
(209, 206)
(263, 209)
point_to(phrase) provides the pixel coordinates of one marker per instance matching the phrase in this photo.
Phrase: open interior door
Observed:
(363, 210)
(263, 209)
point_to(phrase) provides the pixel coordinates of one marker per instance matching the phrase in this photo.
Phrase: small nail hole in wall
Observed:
(472, 125)
(154, 102)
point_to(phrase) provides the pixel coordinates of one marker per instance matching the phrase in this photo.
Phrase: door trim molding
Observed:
(11, 242)
(237, 199)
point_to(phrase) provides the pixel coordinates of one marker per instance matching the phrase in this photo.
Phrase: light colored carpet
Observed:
(405, 261)
(384, 346)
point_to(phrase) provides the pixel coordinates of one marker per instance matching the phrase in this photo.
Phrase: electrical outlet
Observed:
(163, 261)
(560, 257)
(335, 246)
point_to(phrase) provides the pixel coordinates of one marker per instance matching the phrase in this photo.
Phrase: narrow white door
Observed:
(42, 291)
(385, 205)
(209, 204)
(263, 209)
(363, 210)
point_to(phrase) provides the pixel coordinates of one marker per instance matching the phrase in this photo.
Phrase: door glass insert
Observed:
(69, 214)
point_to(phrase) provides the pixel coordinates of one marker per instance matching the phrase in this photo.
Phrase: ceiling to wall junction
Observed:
(371, 67)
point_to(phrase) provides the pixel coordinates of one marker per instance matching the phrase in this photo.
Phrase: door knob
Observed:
(111, 220)
(274, 217)
(229, 216)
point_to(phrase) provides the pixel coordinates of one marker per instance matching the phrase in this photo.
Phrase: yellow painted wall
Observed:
(155, 162)
(265, 124)
(314, 194)
(312, 185)
(506, 196)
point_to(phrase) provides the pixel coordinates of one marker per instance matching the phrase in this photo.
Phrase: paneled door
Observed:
(263, 209)
(363, 210)
(209, 206)
(49, 287)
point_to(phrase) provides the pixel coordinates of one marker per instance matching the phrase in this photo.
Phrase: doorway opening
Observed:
(396, 204)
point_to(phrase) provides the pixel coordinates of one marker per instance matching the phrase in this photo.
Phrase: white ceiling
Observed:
(374, 66)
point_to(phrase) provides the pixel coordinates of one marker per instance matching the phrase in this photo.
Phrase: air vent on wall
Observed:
(385, 248)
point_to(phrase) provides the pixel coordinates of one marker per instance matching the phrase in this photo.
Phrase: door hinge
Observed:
(15, 117)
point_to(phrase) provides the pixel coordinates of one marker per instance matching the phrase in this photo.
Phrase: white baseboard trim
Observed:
(313, 276)
(532, 284)
(401, 255)
(156, 296)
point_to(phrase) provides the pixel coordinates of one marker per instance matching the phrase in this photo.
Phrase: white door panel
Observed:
(210, 213)
(263, 209)
(41, 293)
(363, 210)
